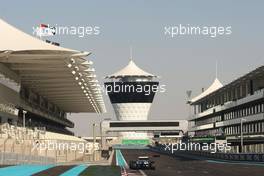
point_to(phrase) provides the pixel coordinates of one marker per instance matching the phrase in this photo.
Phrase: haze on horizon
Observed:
(184, 62)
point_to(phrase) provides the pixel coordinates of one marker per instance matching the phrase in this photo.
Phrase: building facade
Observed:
(40, 82)
(234, 112)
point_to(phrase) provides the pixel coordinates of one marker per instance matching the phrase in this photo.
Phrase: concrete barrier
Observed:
(16, 158)
(248, 157)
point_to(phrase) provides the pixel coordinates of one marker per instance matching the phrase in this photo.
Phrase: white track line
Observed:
(143, 173)
(127, 167)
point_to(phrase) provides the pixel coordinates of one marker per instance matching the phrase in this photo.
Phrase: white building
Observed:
(220, 112)
(130, 92)
(40, 82)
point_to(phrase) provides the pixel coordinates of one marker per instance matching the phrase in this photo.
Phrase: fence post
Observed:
(2, 158)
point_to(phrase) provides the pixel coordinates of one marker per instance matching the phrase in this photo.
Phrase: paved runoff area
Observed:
(42, 170)
(60, 170)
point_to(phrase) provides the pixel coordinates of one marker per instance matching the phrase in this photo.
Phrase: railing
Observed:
(16, 158)
(45, 114)
(18, 145)
(229, 104)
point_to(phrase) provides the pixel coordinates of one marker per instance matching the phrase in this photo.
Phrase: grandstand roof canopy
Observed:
(214, 86)
(131, 70)
(63, 76)
(217, 88)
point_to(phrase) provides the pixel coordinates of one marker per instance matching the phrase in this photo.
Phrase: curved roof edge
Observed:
(214, 86)
(17, 40)
(131, 70)
(17, 46)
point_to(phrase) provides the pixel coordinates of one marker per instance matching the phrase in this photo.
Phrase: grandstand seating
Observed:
(23, 141)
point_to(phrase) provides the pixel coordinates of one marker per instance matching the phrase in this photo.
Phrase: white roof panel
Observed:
(15, 40)
(214, 86)
(56, 73)
(131, 70)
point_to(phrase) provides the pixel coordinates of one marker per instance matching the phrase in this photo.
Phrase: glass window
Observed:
(9, 121)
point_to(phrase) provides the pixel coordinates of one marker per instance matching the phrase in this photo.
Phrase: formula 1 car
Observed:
(143, 162)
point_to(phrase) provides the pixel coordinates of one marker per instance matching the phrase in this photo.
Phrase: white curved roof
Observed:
(214, 86)
(131, 70)
(15, 40)
(60, 75)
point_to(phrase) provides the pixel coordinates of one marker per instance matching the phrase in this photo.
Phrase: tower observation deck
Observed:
(131, 91)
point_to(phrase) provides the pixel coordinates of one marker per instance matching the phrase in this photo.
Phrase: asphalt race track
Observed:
(172, 166)
(57, 170)
(42, 170)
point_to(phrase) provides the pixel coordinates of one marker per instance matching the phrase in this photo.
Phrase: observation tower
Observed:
(131, 91)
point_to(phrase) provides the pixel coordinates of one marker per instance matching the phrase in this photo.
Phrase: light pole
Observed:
(103, 134)
(24, 118)
(241, 135)
(94, 140)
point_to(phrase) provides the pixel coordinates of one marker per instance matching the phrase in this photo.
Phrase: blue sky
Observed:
(186, 62)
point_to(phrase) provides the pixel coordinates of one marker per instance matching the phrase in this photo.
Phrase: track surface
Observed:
(23, 170)
(119, 160)
(172, 166)
(57, 170)
(42, 170)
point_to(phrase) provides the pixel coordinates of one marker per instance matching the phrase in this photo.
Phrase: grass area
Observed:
(102, 170)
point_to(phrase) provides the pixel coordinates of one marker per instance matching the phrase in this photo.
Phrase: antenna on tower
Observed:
(216, 69)
(131, 53)
(189, 94)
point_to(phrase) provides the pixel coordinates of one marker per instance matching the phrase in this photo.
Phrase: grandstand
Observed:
(22, 145)
(40, 84)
